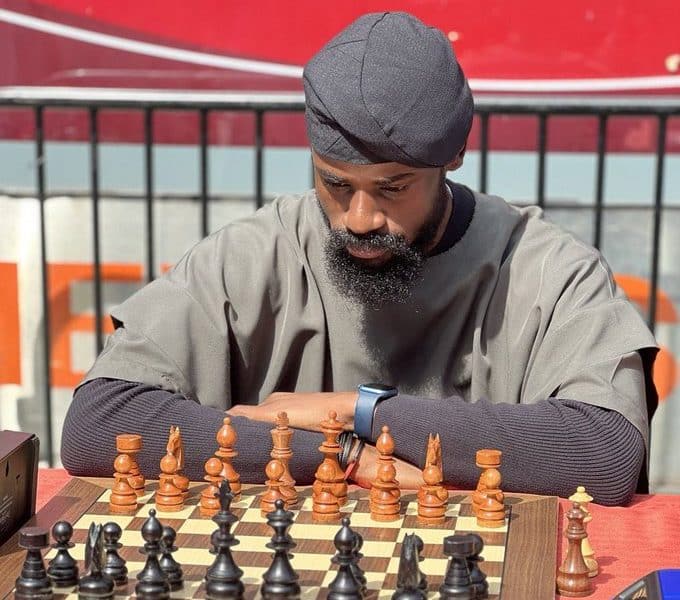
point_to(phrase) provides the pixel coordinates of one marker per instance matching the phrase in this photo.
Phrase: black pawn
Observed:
(357, 571)
(95, 585)
(152, 583)
(33, 583)
(63, 568)
(477, 577)
(280, 580)
(114, 564)
(223, 577)
(169, 565)
(457, 582)
(344, 586)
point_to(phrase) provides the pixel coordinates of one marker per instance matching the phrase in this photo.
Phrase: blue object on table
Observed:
(663, 584)
(669, 580)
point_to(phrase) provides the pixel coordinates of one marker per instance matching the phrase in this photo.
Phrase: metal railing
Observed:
(150, 102)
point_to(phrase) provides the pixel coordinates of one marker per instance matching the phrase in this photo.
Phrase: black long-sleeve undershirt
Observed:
(548, 448)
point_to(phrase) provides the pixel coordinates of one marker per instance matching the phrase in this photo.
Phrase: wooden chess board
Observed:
(519, 558)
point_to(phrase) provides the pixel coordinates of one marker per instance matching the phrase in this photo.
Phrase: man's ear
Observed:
(458, 161)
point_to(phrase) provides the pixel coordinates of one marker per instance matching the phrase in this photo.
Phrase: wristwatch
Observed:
(369, 396)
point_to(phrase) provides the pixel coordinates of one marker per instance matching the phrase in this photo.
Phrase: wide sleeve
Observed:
(572, 333)
(173, 333)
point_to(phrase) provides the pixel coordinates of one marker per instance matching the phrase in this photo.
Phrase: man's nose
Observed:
(364, 215)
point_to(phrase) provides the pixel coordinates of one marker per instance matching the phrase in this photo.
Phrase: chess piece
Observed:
(329, 477)
(223, 577)
(329, 491)
(171, 568)
(385, 495)
(63, 568)
(95, 584)
(226, 440)
(477, 577)
(33, 581)
(274, 470)
(209, 504)
(432, 496)
(175, 447)
(584, 499)
(281, 436)
(457, 583)
(344, 586)
(325, 507)
(409, 578)
(123, 498)
(169, 497)
(356, 569)
(152, 584)
(114, 564)
(488, 499)
(487, 459)
(572, 578)
(131, 444)
(280, 580)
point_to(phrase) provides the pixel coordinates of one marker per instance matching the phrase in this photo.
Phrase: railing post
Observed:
(148, 193)
(658, 207)
(94, 183)
(47, 358)
(203, 164)
(599, 179)
(259, 167)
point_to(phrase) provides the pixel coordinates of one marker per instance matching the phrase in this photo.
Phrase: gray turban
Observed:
(387, 89)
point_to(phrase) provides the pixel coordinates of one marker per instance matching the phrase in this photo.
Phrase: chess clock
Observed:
(657, 585)
(369, 396)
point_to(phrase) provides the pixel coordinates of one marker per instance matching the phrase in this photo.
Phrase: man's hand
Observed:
(305, 410)
(408, 476)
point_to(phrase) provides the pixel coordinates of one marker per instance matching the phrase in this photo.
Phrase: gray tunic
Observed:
(516, 311)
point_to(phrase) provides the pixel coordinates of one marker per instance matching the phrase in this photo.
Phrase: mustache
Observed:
(340, 238)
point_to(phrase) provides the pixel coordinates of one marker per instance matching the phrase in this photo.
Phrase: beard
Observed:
(393, 281)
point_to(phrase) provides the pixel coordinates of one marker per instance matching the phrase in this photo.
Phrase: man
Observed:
(496, 328)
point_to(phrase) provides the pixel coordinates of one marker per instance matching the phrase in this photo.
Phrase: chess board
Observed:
(519, 558)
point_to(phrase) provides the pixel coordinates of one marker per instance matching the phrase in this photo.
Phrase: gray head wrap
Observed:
(387, 89)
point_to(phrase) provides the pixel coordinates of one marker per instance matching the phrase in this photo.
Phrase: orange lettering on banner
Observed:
(63, 323)
(638, 290)
(10, 343)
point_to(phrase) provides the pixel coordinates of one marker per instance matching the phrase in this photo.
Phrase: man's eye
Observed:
(336, 184)
(394, 189)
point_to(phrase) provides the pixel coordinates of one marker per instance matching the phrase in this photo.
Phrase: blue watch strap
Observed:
(364, 410)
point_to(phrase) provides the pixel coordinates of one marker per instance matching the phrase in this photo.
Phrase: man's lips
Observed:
(367, 253)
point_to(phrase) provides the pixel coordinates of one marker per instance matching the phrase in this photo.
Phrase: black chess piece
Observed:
(114, 564)
(63, 568)
(33, 583)
(344, 586)
(418, 544)
(95, 585)
(477, 577)
(457, 582)
(170, 566)
(223, 577)
(152, 583)
(357, 571)
(280, 580)
(409, 577)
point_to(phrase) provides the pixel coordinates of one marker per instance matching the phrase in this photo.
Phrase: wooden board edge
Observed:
(69, 504)
(531, 550)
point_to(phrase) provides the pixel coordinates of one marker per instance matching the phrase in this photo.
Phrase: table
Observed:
(628, 541)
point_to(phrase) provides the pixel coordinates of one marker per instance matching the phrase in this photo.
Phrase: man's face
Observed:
(383, 219)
